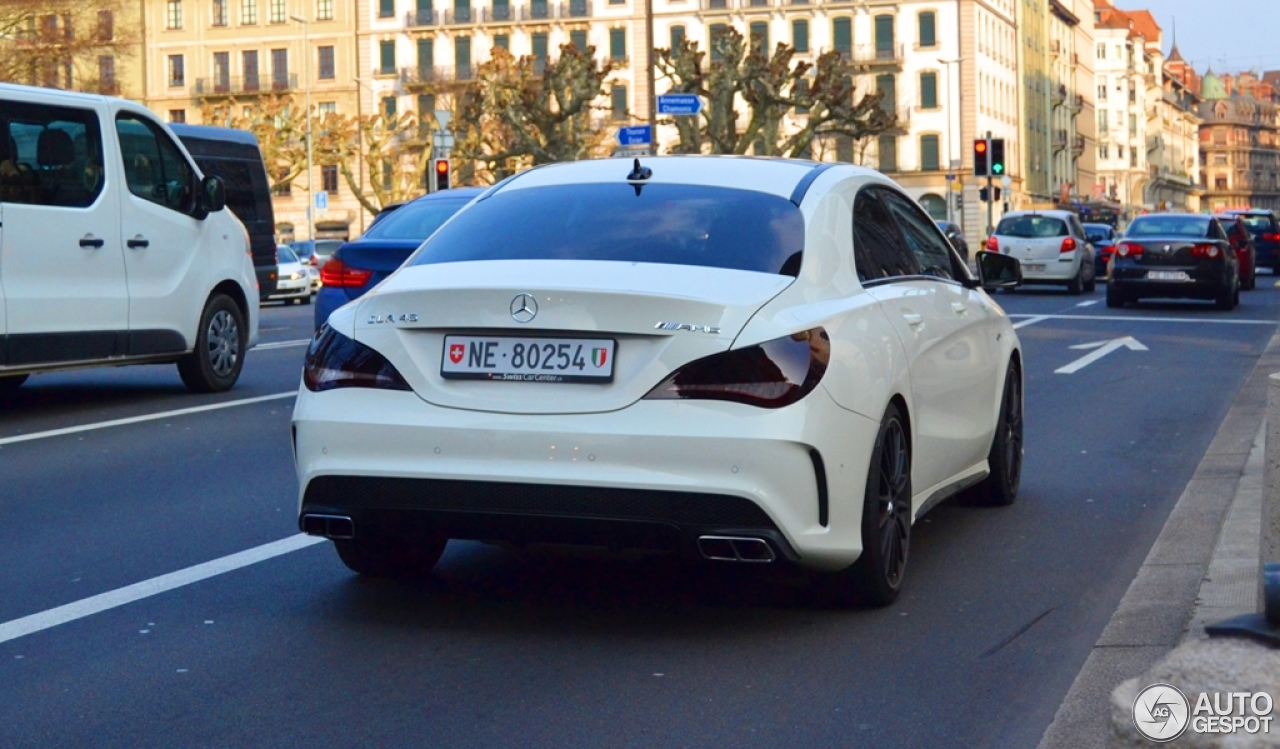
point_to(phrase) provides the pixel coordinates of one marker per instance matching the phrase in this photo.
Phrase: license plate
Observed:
(1034, 267)
(1167, 275)
(510, 359)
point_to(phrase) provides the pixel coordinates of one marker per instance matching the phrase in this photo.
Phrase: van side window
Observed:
(154, 168)
(50, 155)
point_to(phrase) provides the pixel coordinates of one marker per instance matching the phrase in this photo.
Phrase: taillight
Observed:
(773, 374)
(1205, 250)
(335, 361)
(1271, 237)
(340, 275)
(1129, 249)
(1068, 245)
(993, 244)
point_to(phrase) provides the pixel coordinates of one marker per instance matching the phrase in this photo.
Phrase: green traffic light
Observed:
(997, 168)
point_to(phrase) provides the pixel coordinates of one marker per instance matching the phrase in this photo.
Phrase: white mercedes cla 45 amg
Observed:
(745, 360)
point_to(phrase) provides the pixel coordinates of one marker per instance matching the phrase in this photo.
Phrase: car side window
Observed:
(877, 246)
(1216, 231)
(154, 168)
(933, 256)
(50, 155)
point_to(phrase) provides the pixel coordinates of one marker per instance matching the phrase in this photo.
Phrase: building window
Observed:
(1102, 92)
(1102, 51)
(178, 115)
(715, 31)
(800, 35)
(1103, 126)
(844, 148)
(387, 57)
(325, 68)
(107, 75)
(617, 44)
(887, 87)
(326, 108)
(578, 38)
(280, 69)
(427, 57)
(249, 12)
(386, 175)
(278, 12)
(324, 10)
(1133, 124)
(221, 72)
(106, 26)
(842, 36)
(618, 102)
(426, 106)
(173, 14)
(538, 41)
(884, 38)
(462, 56)
(249, 66)
(329, 178)
(887, 153)
(219, 12)
(801, 94)
(386, 8)
(677, 37)
(389, 107)
(177, 71)
(928, 22)
(1104, 151)
(758, 34)
(929, 90)
(929, 159)
(1133, 157)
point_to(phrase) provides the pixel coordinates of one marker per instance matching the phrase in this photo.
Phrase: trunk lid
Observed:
(383, 257)
(408, 318)
(1161, 252)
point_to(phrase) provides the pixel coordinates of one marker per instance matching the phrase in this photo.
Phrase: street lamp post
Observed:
(306, 90)
(950, 161)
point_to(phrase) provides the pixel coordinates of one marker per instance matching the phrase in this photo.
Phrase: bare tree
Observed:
(71, 44)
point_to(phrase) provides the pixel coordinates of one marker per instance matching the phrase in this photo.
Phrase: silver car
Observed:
(1051, 245)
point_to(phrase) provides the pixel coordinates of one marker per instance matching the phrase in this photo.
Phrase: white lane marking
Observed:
(146, 417)
(1030, 321)
(1102, 348)
(1089, 303)
(281, 344)
(1196, 320)
(16, 628)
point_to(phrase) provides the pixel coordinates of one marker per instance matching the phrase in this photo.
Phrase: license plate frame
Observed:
(1179, 276)
(1034, 267)
(492, 357)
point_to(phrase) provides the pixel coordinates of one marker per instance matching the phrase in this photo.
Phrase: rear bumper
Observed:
(655, 474)
(1133, 280)
(1056, 270)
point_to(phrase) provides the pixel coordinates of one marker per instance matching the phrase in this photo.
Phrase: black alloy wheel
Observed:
(1000, 487)
(395, 558)
(876, 578)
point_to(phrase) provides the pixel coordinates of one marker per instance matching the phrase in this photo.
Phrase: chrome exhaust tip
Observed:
(736, 549)
(329, 526)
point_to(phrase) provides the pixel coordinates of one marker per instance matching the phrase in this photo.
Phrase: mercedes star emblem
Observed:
(524, 308)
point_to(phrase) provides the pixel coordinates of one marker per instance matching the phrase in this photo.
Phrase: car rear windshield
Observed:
(713, 227)
(1029, 227)
(1195, 227)
(1257, 224)
(415, 221)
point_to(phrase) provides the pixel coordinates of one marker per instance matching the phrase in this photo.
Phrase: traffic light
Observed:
(997, 158)
(986, 197)
(442, 174)
(980, 158)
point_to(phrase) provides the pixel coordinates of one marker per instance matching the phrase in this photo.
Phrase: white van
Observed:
(113, 247)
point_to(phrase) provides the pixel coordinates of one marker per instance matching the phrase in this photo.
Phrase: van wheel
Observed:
(215, 364)
(12, 382)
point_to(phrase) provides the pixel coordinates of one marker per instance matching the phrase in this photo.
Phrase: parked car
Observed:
(955, 235)
(360, 265)
(116, 249)
(294, 284)
(234, 157)
(683, 357)
(1246, 251)
(1051, 245)
(315, 253)
(1264, 227)
(1179, 255)
(1103, 237)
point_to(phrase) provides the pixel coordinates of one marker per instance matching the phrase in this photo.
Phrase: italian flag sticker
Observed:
(599, 356)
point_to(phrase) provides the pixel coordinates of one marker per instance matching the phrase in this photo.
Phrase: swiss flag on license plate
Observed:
(455, 352)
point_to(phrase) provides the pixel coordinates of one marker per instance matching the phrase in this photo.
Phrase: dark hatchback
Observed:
(1266, 236)
(1175, 255)
(361, 264)
(1103, 237)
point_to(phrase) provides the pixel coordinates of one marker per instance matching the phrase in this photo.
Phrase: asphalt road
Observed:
(554, 647)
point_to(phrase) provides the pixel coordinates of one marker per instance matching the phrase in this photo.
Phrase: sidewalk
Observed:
(1203, 568)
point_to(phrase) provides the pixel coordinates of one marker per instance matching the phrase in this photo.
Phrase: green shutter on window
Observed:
(928, 29)
(677, 36)
(618, 44)
(758, 34)
(842, 35)
(540, 45)
(386, 8)
(578, 38)
(715, 31)
(929, 90)
(800, 35)
(387, 56)
(426, 53)
(618, 96)
(887, 87)
(929, 153)
(888, 152)
(884, 35)
(502, 41)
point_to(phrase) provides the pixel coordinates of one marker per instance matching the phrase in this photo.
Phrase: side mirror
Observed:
(213, 195)
(996, 271)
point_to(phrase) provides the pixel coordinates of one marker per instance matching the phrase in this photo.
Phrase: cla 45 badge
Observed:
(380, 319)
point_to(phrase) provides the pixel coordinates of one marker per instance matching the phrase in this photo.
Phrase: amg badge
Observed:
(689, 327)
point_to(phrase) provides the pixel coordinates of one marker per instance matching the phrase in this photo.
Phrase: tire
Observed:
(10, 383)
(1227, 299)
(876, 578)
(1091, 285)
(394, 558)
(1000, 487)
(305, 300)
(1076, 285)
(1116, 298)
(215, 363)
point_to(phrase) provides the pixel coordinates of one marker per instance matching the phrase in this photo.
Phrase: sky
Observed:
(1230, 35)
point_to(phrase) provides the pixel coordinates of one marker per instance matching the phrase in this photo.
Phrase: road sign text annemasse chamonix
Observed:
(679, 104)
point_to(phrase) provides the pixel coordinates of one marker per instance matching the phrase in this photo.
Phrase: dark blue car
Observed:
(361, 264)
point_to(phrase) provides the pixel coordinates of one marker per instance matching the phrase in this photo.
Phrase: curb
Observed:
(1165, 597)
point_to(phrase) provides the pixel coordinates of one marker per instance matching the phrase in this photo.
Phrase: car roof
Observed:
(1049, 212)
(17, 89)
(209, 132)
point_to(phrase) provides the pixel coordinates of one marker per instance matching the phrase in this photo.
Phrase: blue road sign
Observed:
(640, 135)
(679, 104)
(322, 201)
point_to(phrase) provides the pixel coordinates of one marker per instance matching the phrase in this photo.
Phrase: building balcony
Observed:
(537, 11)
(460, 16)
(1077, 146)
(247, 86)
(1060, 140)
(869, 55)
(1154, 143)
(1058, 95)
(1077, 104)
(575, 9)
(426, 75)
(716, 6)
(1055, 47)
(498, 13)
(422, 18)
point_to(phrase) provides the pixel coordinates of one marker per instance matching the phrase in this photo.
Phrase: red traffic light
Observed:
(980, 146)
(442, 174)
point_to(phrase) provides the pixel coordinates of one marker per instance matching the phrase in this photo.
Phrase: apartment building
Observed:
(1240, 142)
(1173, 150)
(1122, 63)
(1070, 169)
(234, 52)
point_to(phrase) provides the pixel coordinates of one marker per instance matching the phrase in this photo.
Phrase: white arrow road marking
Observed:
(1030, 321)
(1101, 349)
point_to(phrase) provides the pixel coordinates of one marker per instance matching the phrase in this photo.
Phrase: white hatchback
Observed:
(746, 360)
(1051, 245)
